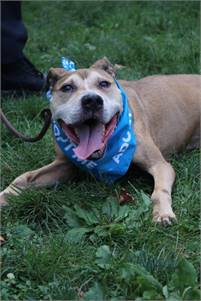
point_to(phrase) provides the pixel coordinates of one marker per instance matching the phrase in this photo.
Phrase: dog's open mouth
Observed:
(90, 136)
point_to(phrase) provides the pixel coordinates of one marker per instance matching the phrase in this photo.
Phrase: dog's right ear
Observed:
(54, 74)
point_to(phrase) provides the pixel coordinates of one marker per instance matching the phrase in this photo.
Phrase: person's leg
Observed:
(17, 72)
(13, 32)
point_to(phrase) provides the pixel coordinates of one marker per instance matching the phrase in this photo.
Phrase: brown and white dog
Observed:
(166, 111)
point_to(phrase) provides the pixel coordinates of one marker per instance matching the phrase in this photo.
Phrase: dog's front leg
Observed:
(149, 157)
(164, 177)
(58, 171)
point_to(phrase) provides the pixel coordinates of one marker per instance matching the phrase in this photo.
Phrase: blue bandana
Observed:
(119, 150)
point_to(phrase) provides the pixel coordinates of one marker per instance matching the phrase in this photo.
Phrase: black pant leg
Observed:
(13, 32)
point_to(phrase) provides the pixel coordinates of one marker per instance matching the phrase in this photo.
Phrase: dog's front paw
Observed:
(164, 216)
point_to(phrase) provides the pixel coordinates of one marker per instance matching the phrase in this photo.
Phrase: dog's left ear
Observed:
(105, 65)
(54, 74)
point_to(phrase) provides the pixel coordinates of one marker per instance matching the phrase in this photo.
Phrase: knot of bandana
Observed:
(119, 150)
(68, 64)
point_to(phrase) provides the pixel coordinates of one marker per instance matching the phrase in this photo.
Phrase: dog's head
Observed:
(86, 103)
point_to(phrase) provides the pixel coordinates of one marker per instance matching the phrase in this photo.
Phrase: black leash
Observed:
(45, 114)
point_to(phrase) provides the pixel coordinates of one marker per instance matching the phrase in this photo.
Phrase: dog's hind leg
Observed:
(149, 157)
(58, 171)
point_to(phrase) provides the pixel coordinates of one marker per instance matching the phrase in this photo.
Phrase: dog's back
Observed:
(171, 106)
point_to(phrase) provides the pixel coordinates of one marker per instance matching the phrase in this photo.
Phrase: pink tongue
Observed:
(91, 138)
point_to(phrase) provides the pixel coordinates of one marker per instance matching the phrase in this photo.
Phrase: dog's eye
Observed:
(67, 88)
(104, 84)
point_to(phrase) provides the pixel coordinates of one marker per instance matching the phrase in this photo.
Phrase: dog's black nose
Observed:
(92, 102)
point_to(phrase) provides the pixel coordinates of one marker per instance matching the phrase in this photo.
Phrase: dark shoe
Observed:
(21, 76)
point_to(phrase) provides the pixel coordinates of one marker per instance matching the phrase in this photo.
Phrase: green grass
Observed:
(73, 241)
